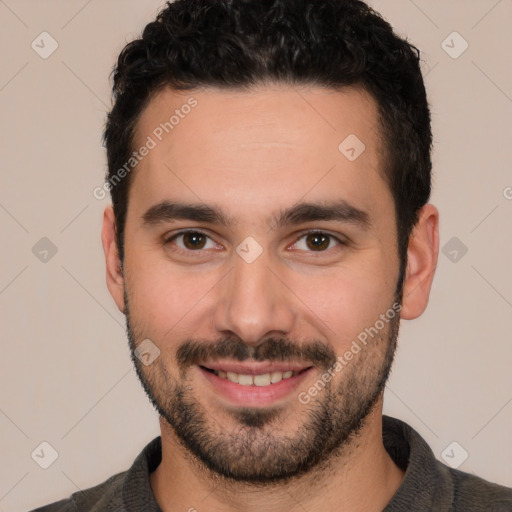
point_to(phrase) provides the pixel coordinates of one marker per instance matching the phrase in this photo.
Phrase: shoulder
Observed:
(471, 492)
(129, 488)
(429, 484)
(102, 497)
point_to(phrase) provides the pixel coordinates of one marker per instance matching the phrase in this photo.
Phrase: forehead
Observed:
(264, 148)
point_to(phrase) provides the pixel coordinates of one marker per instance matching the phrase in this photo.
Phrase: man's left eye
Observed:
(317, 242)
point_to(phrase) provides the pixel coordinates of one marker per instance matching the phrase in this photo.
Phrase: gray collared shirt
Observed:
(428, 485)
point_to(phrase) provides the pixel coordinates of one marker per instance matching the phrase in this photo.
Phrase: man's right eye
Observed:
(190, 240)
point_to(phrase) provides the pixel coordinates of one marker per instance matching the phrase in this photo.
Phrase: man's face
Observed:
(252, 292)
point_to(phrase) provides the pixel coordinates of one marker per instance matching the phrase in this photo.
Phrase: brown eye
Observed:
(318, 241)
(191, 241)
(194, 240)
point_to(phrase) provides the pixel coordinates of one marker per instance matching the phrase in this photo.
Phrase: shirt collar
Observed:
(426, 485)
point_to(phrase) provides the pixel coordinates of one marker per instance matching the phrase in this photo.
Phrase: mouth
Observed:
(259, 379)
(257, 384)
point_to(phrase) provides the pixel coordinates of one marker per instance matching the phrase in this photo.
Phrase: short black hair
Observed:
(244, 43)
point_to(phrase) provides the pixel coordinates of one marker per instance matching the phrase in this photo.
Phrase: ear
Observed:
(115, 280)
(421, 263)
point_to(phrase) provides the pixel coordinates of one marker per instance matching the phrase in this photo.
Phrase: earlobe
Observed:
(114, 273)
(422, 256)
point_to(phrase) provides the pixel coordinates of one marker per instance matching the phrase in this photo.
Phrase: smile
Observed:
(254, 384)
(263, 379)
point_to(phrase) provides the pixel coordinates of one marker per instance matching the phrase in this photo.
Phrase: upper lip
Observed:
(258, 368)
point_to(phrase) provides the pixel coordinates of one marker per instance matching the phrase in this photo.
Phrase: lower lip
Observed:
(254, 396)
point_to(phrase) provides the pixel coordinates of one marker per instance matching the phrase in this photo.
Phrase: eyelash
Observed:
(199, 251)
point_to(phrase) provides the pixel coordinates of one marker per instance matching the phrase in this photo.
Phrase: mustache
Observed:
(195, 352)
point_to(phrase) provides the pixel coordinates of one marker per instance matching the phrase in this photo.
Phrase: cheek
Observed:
(346, 301)
(164, 300)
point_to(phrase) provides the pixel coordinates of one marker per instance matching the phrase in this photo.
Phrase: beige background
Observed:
(65, 367)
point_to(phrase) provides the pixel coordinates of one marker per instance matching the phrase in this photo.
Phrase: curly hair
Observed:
(242, 43)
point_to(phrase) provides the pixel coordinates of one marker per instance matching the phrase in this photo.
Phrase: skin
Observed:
(253, 153)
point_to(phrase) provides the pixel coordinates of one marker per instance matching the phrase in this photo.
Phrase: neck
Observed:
(361, 478)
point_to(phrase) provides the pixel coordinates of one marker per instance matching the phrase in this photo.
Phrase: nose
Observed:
(254, 302)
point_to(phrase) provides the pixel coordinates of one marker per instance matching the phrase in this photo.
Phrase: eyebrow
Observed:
(341, 210)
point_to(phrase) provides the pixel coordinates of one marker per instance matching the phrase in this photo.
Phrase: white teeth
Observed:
(264, 379)
(276, 377)
(233, 377)
(245, 380)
